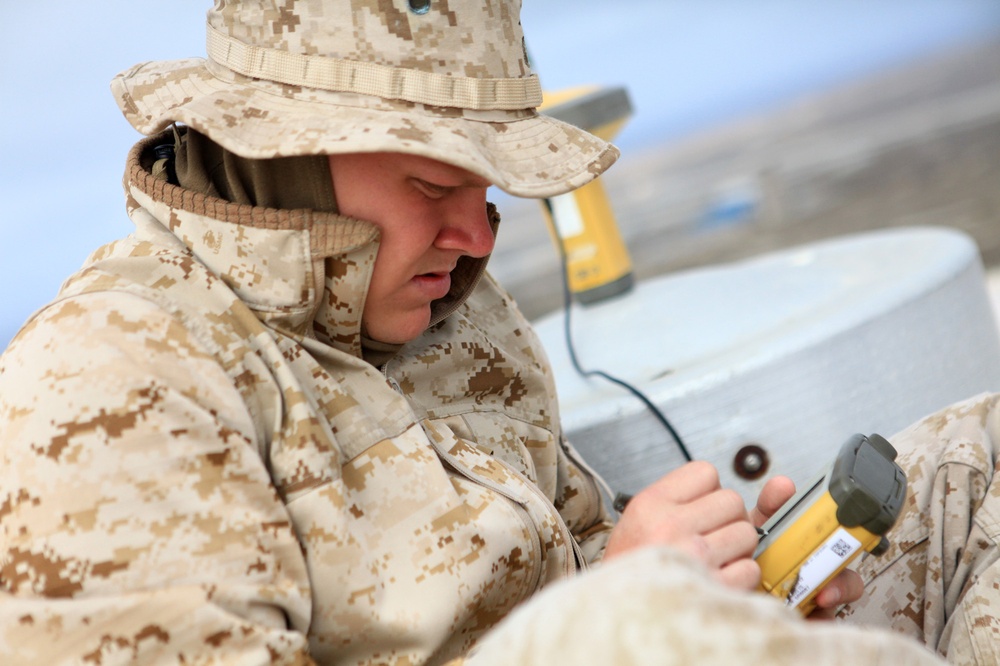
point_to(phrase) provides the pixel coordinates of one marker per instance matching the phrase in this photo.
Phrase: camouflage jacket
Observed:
(198, 465)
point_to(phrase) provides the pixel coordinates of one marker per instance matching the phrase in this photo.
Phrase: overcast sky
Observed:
(688, 65)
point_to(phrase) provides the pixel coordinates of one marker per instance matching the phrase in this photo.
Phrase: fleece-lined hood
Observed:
(319, 264)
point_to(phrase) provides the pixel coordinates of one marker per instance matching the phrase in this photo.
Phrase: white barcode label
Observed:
(835, 551)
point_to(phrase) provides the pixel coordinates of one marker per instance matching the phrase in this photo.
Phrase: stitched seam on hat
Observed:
(336, 74)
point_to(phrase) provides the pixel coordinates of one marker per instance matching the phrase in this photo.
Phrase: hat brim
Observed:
(522, 152)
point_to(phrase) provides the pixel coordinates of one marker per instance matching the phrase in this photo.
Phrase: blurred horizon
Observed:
(690, 68)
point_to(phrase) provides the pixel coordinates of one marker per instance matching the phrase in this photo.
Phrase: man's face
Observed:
(430, 214)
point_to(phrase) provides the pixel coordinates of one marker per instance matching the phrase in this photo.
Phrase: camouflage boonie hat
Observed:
(445, 79)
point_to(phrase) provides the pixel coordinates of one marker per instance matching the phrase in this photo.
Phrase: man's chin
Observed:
(398, 330)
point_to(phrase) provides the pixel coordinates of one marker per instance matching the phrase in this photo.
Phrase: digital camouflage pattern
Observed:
(315, 77)
(199, 467)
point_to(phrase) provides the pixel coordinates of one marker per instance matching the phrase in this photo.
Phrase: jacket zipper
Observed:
(563, 530)
(508, 493)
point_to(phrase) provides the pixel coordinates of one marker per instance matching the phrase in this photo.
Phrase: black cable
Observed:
(621, 499)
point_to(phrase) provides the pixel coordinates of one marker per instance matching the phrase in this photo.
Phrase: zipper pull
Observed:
(391, 381)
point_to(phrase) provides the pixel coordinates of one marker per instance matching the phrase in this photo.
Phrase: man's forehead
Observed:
(399, 164)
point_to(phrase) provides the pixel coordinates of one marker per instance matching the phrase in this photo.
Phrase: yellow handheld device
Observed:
(598, 265)
(845, 512)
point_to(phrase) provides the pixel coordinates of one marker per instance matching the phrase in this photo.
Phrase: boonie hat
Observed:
(445, 79)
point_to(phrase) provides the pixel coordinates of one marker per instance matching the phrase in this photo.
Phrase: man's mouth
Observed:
(439, 273)
(434, 284)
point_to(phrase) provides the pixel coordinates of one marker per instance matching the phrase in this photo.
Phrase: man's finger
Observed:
(686, 483)
(740, 575)
(716, 509)
(733, 542)
(773, 496)
(847, 586)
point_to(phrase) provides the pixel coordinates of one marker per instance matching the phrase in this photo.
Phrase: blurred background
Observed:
(756, 126)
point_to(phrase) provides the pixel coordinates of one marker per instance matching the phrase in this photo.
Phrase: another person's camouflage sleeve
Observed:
(137, 519)
(940, 580)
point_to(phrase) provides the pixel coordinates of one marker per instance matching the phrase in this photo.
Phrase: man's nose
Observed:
(467, 227)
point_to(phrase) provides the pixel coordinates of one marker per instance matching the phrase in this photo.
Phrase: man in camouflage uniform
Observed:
(291, 420)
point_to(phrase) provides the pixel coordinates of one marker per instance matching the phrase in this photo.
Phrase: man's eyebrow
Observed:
(452, 179)
(477, 181)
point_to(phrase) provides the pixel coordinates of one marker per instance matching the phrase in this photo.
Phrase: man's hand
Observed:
(689, 510)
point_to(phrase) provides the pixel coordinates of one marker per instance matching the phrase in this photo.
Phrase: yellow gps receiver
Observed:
(824, 527)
